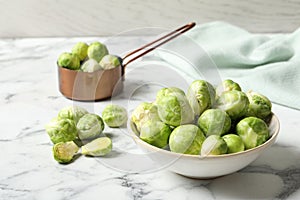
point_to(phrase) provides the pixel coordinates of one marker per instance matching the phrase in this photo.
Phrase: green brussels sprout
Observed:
(63, 152)
(72, 113)
(68, 60)
(80, 49)
(90, 126)
(227, 85)
(174, 109)
(201, 95)
(98, 147)
(234, 102)
(213, 145)
(234, 143)
(109, 62)
(61, 130)
(214, 122)
(186, 139)
(168, 91)
(142, 113)
(260, 106)
(90, 65)
(97, 51)
(253, 131)
(114, 115)
(155, 133)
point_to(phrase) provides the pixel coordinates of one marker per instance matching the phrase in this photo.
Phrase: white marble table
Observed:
(29, 98)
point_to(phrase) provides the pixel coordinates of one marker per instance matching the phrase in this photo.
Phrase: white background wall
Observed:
(39, 18)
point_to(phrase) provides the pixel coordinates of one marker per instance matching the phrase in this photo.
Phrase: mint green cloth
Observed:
(216, 51)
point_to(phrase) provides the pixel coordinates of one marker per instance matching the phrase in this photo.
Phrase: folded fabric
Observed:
(216, 51)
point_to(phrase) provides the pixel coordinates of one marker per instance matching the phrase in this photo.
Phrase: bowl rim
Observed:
(94, 72)
(270, 141)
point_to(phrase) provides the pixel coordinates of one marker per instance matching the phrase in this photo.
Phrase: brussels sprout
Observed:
(80, 49)
(109, 62)
(186, 139)
(201, 95)
(214, 122)
(168, 91)
(234, 143)
(114, 115)
(61, 130)
(213, 145)
(260, 106)
(97, 51)
(234, 102)
(156, 133)
(142, 113)
(253, 131)
(63, 152)
(227, 85)
(90, 65)
(90, 126)
(68, 60)
(72, 113)
(98, 147)
(174, 109)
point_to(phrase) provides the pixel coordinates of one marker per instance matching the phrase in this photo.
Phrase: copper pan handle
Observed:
(158, 42)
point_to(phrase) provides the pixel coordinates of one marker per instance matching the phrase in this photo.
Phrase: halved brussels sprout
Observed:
(253, 131)
(68, 60)
(174, 109)
(213, 145)
(98, 147)
(90, 126)
(186, 139)
(63, 152)
(90, 65)
(214, 122)
(227, 85)
(142, 113)
(72, 113)
(234, 143)
(114, 115)
(201, 95)
(80, 49)
(97, 51)
(234, 103)
(61, 130)
(109, 62)
(260, 106)
(156, 133)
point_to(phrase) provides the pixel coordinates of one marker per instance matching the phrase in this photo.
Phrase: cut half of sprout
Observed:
(64, 152)
(98, 147)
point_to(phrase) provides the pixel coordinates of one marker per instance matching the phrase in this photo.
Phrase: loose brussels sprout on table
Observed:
(186, 139)
(98, 147)
(156, 133)
(69, 60)
(114, 115)
(214, 122)
(109, 62)
(63, 152)
(97, 51)
(213, 145)
(201, 95)
(72, 113)
(80, 49)
(260, 106)
(90, 126)
(253, 131)
(174, 109)
(234, 102)
(61, 130)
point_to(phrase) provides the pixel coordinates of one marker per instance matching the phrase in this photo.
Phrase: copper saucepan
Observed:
(101, 84)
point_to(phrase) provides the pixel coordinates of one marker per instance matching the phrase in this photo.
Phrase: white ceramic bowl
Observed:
(195, 166)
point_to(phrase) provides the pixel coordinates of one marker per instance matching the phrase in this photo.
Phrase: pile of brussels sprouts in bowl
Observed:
(88, 58)
(74, 129)
(206, 121)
